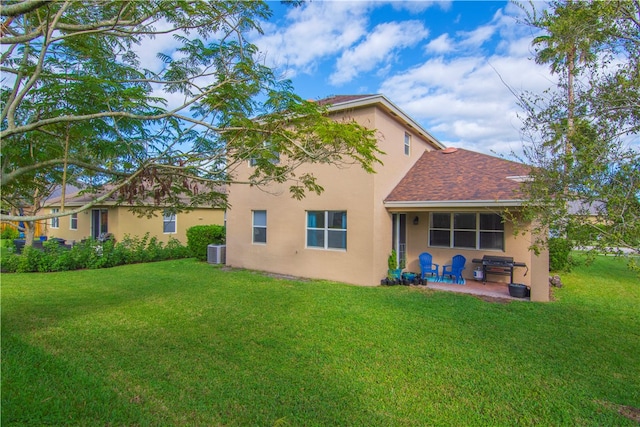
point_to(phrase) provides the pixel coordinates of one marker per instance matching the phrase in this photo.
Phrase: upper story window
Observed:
(327, 229)
(466, 230)
(407, 143)
(73, 222)
(259, 226)
(55, 222)
(168, 222)
(268, 154)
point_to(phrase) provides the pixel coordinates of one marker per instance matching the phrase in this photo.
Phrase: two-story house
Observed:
(423, 198)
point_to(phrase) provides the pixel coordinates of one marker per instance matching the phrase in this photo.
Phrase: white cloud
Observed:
(466, 99)
(149, 47)
(420, 6)
(477, 37)
(378, 47)
(316, 30)
(442, 44)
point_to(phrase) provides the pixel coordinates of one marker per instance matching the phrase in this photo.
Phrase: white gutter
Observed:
(381, 99)
(453, 204)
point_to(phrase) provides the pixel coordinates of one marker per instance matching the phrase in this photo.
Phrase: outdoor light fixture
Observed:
(416, 220)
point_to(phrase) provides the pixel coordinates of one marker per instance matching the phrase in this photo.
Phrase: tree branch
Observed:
(22, 7)
(11, 176)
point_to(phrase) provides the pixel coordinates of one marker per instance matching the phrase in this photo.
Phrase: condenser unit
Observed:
(216, 254)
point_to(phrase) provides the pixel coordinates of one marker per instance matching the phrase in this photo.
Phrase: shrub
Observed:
(559, 250)
(9, 262)
(200, 236)
(91, 254)
(6, 245)
(9, 233)
(176, 250)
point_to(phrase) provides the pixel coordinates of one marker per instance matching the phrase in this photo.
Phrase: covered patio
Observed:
(473, 287)
(456, 203)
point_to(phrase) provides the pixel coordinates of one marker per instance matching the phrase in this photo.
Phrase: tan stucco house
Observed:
(424, 198)
(119, 220)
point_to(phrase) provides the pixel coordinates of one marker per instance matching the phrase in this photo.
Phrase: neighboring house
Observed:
(423, 198)
(119, 220)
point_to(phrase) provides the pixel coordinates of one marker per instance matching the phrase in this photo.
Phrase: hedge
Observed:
(91, 254)
(201, 236)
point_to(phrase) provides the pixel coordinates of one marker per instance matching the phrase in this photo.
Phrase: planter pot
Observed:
(518, 290)
(395, 274)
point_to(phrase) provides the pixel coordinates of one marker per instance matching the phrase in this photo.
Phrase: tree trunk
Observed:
(29, 232)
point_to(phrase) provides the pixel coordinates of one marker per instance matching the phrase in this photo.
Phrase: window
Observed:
(491, 232)
(327, 229)
(269, 155)
(73, 222)
(407, 143)
(168, 222)
(466, 230)
(259, 226)
(55, 222)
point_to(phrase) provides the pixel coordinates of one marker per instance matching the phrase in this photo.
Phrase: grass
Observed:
(184, 343)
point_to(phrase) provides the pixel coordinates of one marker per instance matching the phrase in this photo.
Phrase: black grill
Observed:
(497, 261)
(502, 265)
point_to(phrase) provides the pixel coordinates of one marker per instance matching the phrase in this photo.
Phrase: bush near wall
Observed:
(91, 254)
(559, 250)
(9, 233)
(200, 236)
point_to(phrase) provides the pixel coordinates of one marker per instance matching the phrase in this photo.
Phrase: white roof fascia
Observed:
(363, 102)
(454, 204)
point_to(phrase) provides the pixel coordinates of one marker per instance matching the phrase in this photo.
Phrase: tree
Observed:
(79, 108)
(583, 133)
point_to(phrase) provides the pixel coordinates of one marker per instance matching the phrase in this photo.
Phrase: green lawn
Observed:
(187, 344)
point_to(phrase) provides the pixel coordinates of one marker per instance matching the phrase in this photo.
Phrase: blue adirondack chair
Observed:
(427, 266)
(455, 268)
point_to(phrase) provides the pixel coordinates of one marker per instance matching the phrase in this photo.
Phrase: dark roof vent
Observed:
(449, 150)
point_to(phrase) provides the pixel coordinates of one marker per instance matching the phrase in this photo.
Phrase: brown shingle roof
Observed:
(457, 175)
(75, 198)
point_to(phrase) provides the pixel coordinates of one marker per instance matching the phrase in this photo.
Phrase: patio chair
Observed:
(455, 268)
(427, 266)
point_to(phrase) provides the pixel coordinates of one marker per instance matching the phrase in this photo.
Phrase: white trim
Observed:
(175, 222)
(407, 143)
(453, 204)
(254, 226)
(71, 221)
(325, 231)
(55, 220)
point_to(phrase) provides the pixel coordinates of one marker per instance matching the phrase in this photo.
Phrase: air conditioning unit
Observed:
(216, 254)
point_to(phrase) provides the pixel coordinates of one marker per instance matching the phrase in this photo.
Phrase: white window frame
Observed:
(255, 226)
(477, 231)
(276, 160)
(169, 218)
(73, 221)
(55, 222)
(407, 144)
(326, 229)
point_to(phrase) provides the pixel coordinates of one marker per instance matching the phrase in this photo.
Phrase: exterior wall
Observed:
(131, 224)
(349, 189)
(515, 246)
(65, 232)
(122, 222)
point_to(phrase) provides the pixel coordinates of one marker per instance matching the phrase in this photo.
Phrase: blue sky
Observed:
(450, 65)
(447, 64)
